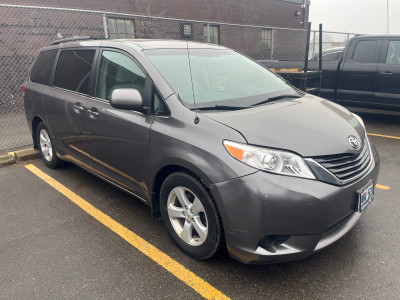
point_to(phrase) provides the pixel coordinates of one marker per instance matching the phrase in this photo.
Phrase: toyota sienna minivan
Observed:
(226, 152)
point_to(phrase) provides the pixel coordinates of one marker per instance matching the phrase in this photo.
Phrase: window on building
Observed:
(266, 39)
(393, 54)
(187, 30)
(365, 51)
(73, 70)
(121, 28)
(42, 67)
(211, 34)
(118, 71)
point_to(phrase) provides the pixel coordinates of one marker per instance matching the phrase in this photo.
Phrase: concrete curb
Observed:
(7, 159)
(20, 155)
(26, 154)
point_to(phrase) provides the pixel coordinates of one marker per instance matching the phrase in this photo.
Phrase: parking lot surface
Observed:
(52, 248)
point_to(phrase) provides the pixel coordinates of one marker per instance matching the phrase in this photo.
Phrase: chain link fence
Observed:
(330, 40)
(26, 29)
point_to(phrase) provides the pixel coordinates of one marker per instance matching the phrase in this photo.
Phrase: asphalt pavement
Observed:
(50, 248)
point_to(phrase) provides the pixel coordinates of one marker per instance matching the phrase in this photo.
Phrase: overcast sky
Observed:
(355, 16)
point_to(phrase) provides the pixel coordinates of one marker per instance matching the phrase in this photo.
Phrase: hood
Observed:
(309, 126)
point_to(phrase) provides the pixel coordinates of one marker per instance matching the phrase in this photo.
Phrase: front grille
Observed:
(347, 167)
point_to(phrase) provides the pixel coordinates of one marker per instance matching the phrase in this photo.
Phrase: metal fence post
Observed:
(208, 32)
(105, 26)
(313, 51)
(272, 43)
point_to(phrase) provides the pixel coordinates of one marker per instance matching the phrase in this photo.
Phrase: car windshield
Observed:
(213, 77)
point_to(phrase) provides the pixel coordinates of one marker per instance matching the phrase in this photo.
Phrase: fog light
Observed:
(273, 240)
(267, 241)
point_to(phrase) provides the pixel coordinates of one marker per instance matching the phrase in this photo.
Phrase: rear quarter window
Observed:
(42, 66)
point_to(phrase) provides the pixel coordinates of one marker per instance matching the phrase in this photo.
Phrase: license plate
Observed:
(365, 196)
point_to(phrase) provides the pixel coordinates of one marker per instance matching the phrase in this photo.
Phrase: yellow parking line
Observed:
(382, 187)
(178, 270)
(385, 136)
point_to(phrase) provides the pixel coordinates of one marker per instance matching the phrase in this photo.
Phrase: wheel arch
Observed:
(35, 122)
(166, 170)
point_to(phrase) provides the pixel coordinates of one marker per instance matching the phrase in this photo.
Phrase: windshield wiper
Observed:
(276, 98)
(219, 107)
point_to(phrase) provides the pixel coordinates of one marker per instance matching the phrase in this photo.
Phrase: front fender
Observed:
(196, 147)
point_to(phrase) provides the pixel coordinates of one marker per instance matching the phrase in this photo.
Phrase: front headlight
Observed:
(275, 161)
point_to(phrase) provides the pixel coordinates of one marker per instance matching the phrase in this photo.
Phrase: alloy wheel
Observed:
(187, 216)
(45, 145)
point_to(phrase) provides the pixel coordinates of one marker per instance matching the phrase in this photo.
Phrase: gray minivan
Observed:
(222, 149)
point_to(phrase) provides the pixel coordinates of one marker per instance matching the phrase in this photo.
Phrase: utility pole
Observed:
(387, 16)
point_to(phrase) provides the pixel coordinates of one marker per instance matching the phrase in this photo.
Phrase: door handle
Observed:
(385, 73)
(77, 107)
(93, 113)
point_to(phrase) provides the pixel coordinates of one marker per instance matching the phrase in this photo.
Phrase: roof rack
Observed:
(79, 38)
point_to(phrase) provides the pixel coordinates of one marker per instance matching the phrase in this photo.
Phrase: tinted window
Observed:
(393, 54)
(42, 67)
(73, 70)
(118, 71)
(364, 52)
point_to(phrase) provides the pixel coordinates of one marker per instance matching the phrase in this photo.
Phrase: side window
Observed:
(339, 55)
(364, 51)
(158, 106)
(329, 56)
(118, 71)
(393, 54)
(41, 69)
(73, 70)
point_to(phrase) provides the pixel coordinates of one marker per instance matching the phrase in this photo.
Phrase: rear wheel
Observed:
(46, 147)
(190, 216)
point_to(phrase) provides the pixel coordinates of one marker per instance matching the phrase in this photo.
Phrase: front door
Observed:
(119, 139)
(357, 75)
(387, 88)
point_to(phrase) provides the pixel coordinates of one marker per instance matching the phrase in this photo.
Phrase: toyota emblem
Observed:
(354, 142)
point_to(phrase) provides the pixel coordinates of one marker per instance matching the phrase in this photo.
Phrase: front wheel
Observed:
(46, 147)
(190, 216)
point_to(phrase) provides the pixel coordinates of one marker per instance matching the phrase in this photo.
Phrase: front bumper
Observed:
(314, 214)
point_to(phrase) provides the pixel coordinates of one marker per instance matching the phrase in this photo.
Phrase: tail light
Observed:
(23, 88)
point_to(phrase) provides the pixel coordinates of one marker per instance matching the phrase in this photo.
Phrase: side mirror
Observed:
(129, 99)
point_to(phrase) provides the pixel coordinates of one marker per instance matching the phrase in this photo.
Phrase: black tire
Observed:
(214, 241)
(49, 158)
